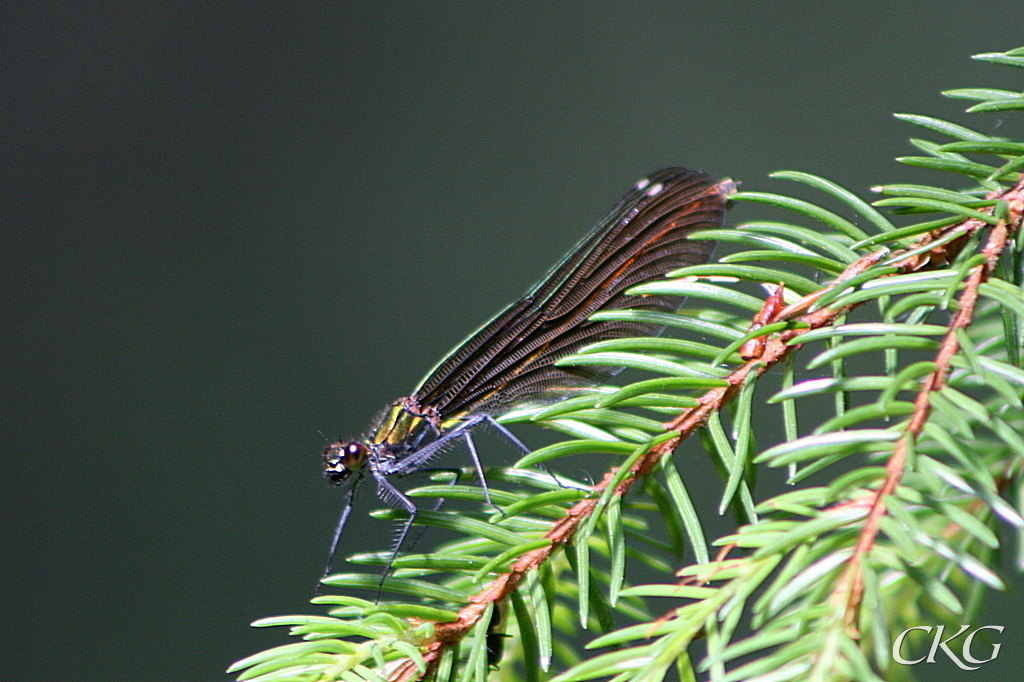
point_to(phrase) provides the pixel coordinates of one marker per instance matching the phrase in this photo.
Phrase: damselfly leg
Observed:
(381, 469)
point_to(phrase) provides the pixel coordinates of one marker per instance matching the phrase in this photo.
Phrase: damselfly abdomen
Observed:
(510, 361)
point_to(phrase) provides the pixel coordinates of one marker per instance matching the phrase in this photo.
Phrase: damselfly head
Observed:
(341, 459)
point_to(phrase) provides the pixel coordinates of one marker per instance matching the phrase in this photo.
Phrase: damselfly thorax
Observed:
(396, 443)
(399, 432)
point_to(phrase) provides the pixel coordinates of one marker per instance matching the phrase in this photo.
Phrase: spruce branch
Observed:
(917, 258)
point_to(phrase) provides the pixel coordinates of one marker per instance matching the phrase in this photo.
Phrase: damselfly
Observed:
(510, 361)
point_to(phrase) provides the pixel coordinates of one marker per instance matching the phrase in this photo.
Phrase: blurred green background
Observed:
(226, 226)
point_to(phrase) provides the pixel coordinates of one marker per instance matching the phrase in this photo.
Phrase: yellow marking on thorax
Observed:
(397, 425)
(451, 423)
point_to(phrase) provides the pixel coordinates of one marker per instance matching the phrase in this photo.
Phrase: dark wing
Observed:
(510, 360)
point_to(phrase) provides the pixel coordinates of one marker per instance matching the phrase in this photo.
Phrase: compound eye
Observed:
(355, 455)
